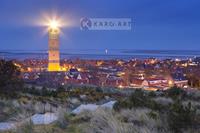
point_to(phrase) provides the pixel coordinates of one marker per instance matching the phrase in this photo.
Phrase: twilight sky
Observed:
(158, 24)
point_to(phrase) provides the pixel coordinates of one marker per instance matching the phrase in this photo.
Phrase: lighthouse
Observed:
(53, 52)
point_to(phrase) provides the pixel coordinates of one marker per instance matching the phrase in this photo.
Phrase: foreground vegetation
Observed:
(172, 111)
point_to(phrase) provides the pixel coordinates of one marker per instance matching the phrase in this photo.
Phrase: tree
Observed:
(9, 77)
(127, 76)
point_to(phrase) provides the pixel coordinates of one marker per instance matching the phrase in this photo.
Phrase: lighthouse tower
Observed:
(54, 52)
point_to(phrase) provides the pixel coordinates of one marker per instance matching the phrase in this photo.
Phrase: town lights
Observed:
(120, 86)
(170, 83)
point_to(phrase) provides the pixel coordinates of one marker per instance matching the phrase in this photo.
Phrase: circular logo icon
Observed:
(86, 24)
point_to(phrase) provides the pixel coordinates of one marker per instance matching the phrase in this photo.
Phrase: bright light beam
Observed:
(54, 24)
(54, 21)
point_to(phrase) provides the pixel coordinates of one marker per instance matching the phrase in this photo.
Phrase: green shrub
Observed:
(181, 117)
(175, 93)
(152, 94)
(26, 128)
(60, 89)
(153, 115)
(154, 105)
(123, 104)
(138, 98)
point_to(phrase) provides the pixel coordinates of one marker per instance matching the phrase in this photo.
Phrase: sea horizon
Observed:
(101, 54)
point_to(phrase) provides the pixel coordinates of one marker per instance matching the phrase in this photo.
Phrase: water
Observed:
(100, 54)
